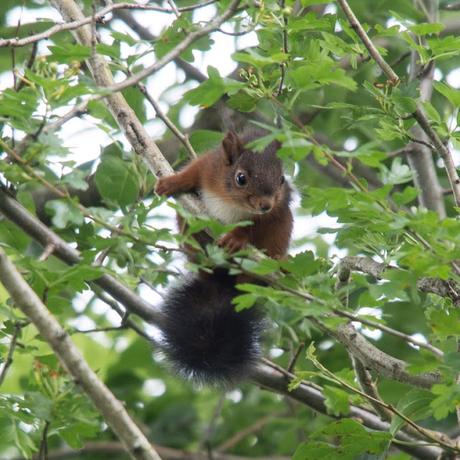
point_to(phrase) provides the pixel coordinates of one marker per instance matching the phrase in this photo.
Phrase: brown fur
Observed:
(215, 173)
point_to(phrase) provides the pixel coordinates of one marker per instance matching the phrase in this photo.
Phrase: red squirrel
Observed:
(204, 337)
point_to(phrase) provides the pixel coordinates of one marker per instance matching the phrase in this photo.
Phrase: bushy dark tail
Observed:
(205, 339)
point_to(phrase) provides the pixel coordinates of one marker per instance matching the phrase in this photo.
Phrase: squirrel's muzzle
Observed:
(262, 204)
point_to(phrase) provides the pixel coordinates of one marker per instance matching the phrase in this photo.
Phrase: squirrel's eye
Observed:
(282, 180)
(240, 179)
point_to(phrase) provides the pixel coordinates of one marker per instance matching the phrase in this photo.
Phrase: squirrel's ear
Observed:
(233, 147)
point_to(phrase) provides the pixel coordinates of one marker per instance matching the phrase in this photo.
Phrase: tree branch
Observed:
(105, 449)
(42, 234)
(419, 114)
(18, 325)
(313, 397)
(97, 17)
(373, 51)
(183, 138)
(368, 386)
(145, 34)
(136, 134)
(420, 158)
(375, 359)
(113, 411)
(176, 51)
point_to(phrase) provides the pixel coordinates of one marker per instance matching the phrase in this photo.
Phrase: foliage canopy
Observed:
(365, 312)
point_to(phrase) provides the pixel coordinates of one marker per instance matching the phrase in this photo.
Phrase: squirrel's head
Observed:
(254, 180)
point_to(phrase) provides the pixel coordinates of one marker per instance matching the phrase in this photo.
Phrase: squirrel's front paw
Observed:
(233, 241)
(166, 186)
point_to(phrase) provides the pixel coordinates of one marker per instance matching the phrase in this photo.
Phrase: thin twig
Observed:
(295, 357)
(254, 427)
(391, 331)
(101, 329)
(183, 138)
(442, 149)
(28, 65)
(364, 379)
(76, 111)
(373, 51)
(421, 142)
(126, 322)
(144, 33)
(49, 249)
(285, 49)
(43, 452)
(177, 50)
(211, 428)
(419, 114)
(113, 411)
(13, 343)
(97, 17)
(429, 435)
(174, 8)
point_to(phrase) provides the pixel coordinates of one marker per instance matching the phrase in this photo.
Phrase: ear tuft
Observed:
(233, 147)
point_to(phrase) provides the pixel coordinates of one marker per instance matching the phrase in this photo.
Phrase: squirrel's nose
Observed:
(265, 206)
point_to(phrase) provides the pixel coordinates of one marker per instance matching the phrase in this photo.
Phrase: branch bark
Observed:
(42, 234)
(177, 50)
(375, 359)
(97, 17)
(420, 158)
(105, 449)
(127, 120)
(313, 397)
(113, 411)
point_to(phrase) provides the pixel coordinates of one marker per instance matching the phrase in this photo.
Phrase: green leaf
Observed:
(313, 75)
(70, 52)
(255, 59)
(64, 212)
(445, 323)
(453, 95)
(295, 148)
(444, 48)
(204, 140)
(311, 22)
(415, 405)
(406, 196)
(76, 179)
(313, 2)
(352, 441)
(427, 28)
(446, 400)
(242, 101)
(398, 174)
(117, 181)
(209, 92)
(337, 400)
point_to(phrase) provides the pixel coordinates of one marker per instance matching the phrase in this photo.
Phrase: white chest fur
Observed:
(222, 210)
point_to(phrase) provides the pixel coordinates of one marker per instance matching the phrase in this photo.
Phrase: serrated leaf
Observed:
(445, 323)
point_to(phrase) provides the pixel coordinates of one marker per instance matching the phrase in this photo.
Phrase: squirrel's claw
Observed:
(166, 186)
(233, 241)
